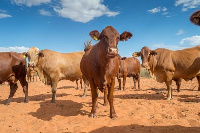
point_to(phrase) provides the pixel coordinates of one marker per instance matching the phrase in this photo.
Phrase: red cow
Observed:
(129, 67)
(100, 65)
(12, 69)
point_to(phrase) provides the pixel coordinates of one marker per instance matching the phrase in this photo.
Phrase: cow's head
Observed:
(195, 18)
(110, 38)
(33, 55)
(145, 54)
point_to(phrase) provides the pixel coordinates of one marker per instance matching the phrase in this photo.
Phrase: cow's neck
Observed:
(152, 63)
(103, 62)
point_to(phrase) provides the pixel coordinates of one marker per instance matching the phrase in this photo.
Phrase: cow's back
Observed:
(63, 65)
(184, 63)
(133, 66)
(11, 63)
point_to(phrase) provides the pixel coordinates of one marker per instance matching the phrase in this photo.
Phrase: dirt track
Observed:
(137, 110)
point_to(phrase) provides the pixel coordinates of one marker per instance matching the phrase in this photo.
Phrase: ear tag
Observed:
(95, 38)
(25, 56)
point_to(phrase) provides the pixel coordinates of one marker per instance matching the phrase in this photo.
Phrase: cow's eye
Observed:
(118, 38)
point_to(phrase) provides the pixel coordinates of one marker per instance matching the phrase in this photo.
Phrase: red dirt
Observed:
(138, 111)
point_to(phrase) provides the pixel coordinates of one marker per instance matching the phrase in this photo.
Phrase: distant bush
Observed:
(144, 73)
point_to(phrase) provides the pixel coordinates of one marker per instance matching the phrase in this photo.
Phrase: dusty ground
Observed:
(138, 111)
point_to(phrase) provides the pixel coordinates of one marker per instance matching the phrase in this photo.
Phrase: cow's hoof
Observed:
(92, 115)
(52, 101)
(105, 104)
(26, 101)
(6, 103)
(83, 96)
(169, 98)
(113, 116)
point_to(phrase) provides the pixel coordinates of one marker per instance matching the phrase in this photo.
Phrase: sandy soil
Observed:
(138, 111)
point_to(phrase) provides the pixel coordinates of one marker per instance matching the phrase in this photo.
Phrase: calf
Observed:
(100, 65)
(129, 67)
(169, 65)
(13, 69)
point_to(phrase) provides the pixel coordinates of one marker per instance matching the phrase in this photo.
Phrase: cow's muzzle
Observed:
(31, 64)
(145, 65)
(112, 52)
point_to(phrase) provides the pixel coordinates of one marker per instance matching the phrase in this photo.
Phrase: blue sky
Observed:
(64, 25)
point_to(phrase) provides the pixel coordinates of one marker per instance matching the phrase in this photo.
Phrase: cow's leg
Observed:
(169, 89)
(119, 80)
(13, 88)
(94, 99)
(138, 77)
(198, 79)
(77, 84)
(105, 97)
(110, 98)
(134, 81)
(178, 84)
(24, 85)
(81, 83)
(54, 83)
(86, 83)
(124, 82)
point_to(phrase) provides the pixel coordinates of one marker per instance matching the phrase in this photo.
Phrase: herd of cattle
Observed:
(99, 64)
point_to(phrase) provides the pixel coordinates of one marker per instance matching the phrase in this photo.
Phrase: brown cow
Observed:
(129, 67)
(31, 74)
(100, 65)
(12, 69)
(53, 66)
(195, 18)
(169, 65)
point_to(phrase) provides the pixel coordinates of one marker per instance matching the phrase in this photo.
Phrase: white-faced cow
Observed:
(13, 69)
(169, 65)
(53, 66)
(100, 64)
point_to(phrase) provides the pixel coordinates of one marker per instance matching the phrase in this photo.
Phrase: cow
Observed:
(129, 67)
(168, 65)
(13, 69)
(31, 74)
(100, 65)
(53, 66)
(195, 18)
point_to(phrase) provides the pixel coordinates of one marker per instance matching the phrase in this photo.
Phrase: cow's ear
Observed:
(95, 35)
(136, 54)
(24, 54)
(123, 58)
(125, 36)
(153, 52)
(40, 54)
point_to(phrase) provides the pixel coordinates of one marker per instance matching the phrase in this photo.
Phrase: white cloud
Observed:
(194, 40)
(164, 9)
(44, 12)
(154, 10)
(83, 10)
(171, 47)
(14, 49)
(187, 4)
(3, 15)
(30, 3)
(180, 32)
